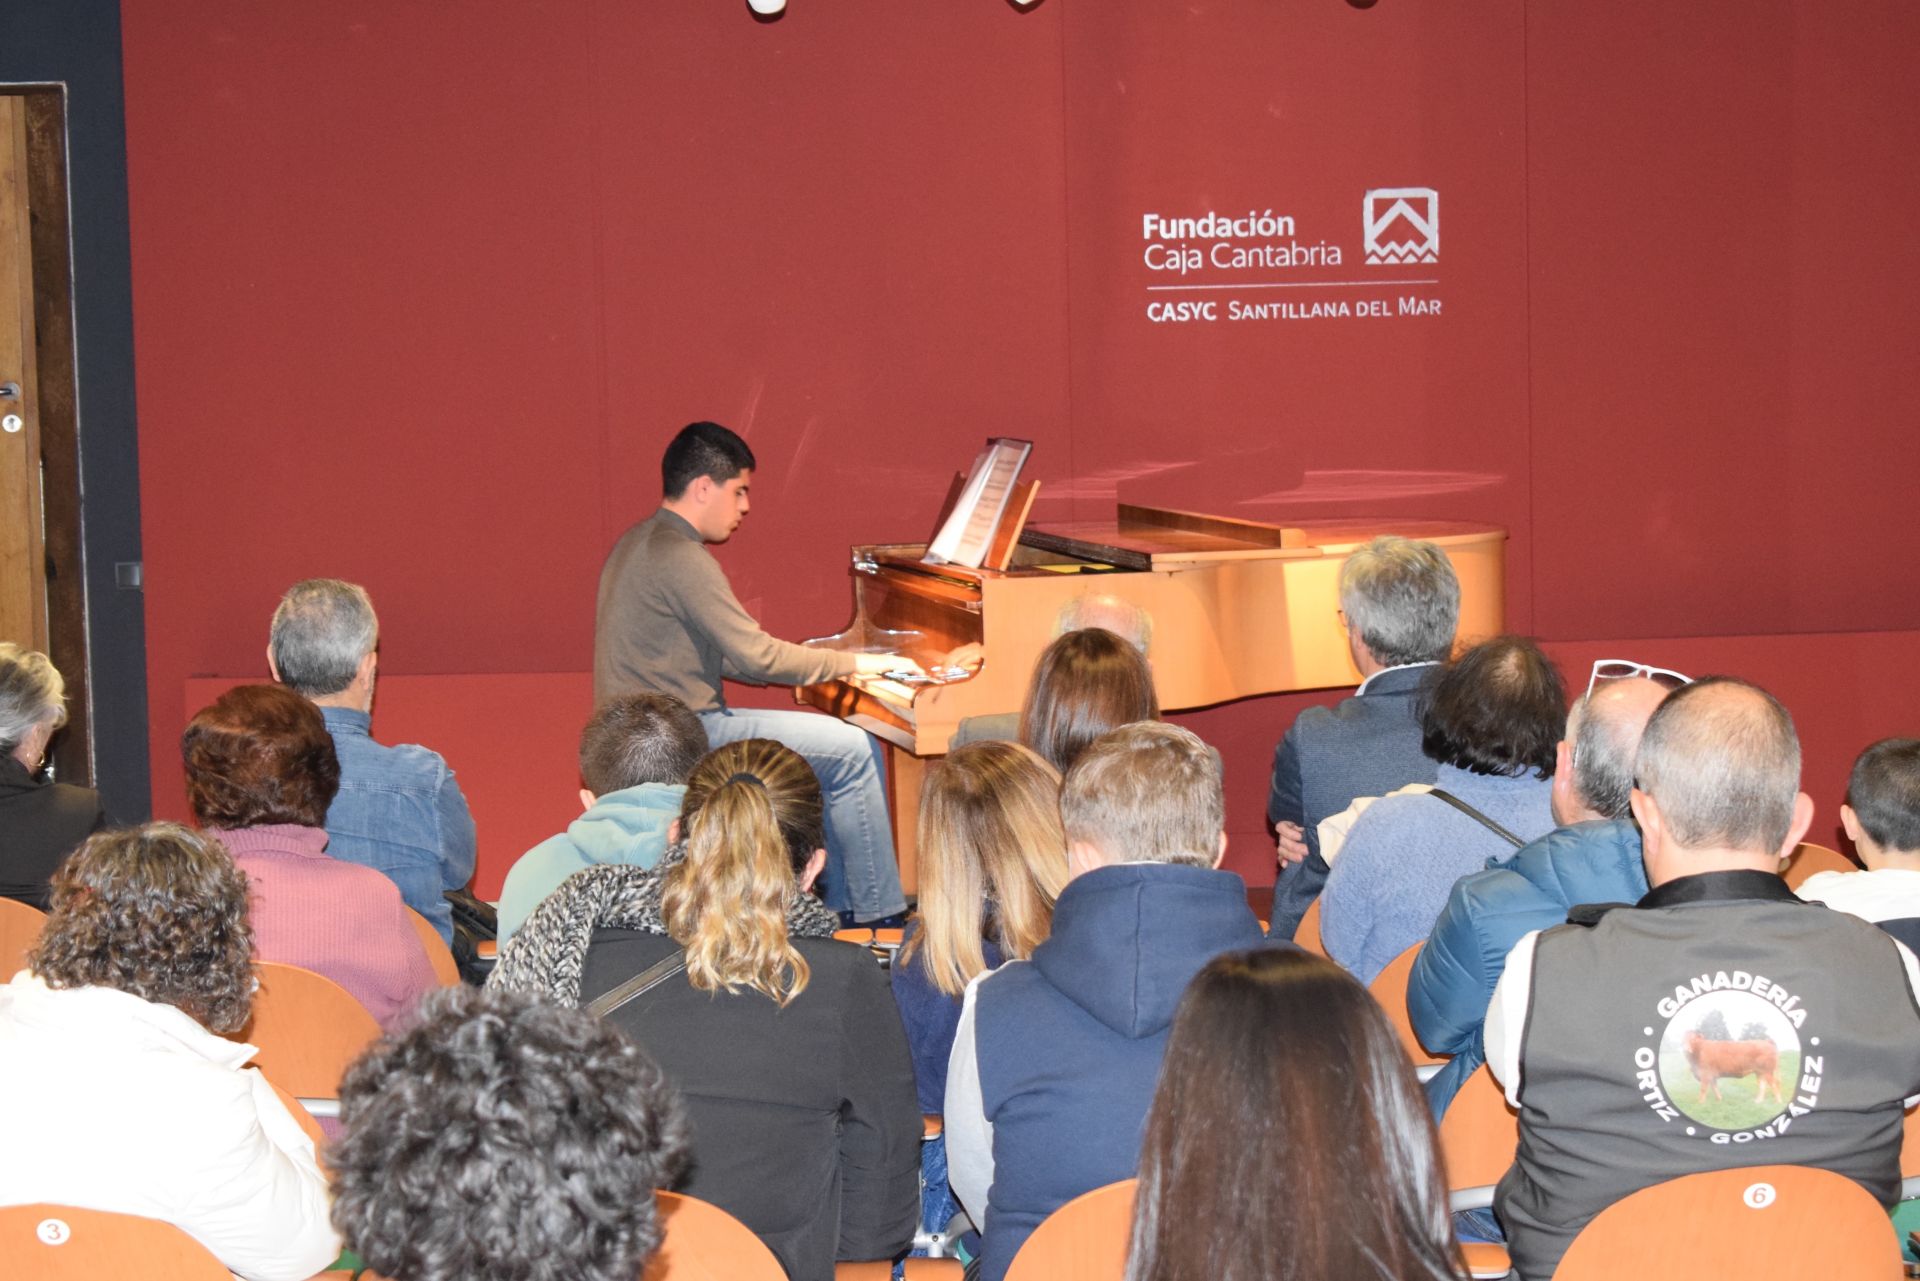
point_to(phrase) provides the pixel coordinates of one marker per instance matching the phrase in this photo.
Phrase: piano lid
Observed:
(1159, 537)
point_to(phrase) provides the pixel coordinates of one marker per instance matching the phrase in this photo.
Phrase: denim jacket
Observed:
(399, 811)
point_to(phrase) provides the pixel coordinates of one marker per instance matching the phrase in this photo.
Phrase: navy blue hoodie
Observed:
(1069, 1044)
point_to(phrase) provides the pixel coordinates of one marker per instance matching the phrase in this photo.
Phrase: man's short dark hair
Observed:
(1499, 708)
(703, 449)
(1721, 759)
(640, 738)
(1884, 790)
(507, 1137)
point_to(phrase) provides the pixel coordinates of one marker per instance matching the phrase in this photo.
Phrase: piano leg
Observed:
(905, 773)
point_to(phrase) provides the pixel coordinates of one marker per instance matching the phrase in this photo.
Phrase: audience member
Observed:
(992, 861)
(260, 773)
(1097, 609)
(1084, 684)
(1882, 819)
(1282, 1073)
(1054, 1062)
(41, 821)
(505, 1138)
(635, 754)
(1627, 1038)
(124, 1095)
(1489, 722)
(1399, 605)
(1592, 857)
(399, 810)
(785, 1042)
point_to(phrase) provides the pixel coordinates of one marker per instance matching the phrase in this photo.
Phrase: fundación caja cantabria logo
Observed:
(1402, 224)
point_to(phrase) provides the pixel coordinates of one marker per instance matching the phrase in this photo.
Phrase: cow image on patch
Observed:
(1727, 1059)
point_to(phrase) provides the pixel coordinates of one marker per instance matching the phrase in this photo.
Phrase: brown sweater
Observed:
(667, 621)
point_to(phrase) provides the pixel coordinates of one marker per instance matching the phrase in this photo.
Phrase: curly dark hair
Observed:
(259, 754)
(158, 911)
(1499, 708)
(503, 1136)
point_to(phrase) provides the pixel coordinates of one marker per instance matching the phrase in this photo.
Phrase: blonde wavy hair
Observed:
(751, 820)
(992, 855)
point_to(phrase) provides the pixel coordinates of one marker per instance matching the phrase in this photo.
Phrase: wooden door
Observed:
(23, 572)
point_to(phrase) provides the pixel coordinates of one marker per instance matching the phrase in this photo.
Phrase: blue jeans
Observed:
(862, 875)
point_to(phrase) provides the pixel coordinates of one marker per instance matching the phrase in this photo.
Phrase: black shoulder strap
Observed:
(640, 984)
(1477, 817)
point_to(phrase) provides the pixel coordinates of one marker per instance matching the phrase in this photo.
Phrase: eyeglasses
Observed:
(1619, 669)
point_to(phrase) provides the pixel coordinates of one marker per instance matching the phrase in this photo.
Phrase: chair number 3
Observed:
(53, 1231)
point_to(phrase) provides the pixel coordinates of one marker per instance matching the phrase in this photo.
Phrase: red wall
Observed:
(419, 296)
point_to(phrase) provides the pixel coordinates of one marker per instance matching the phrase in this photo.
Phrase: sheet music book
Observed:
(968, 531)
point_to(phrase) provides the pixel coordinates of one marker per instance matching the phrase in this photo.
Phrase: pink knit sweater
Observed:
(338, 919)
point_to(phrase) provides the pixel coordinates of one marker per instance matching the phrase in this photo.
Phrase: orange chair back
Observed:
(19, 930)
(61, 1243)
(1479, 1133)
(702, 1242)
(439, 955)
(1808, 860)
(1910, 1144)
(1762, 1223)
(1084, 1240)
(1389, 987)
(1307, 933)
(308, 1029)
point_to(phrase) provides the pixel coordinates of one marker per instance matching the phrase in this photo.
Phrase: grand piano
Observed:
(1240, 608)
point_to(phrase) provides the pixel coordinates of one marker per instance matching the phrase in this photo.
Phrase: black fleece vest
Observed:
(1711, 1033)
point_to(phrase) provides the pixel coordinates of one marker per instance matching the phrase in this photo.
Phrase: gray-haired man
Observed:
(1399, 603)
(1718, 1023)
(1593, 856)
(399, 810)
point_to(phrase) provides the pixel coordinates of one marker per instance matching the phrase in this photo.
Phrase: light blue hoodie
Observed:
(628, 828)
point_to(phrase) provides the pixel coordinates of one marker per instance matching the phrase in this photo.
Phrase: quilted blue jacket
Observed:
(1491, 910)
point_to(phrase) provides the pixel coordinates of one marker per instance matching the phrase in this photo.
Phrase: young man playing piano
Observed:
(667, 621)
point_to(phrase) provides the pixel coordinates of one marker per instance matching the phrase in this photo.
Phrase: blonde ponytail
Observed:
(726, 901)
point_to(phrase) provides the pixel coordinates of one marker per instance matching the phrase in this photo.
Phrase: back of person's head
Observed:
(158, 911)
(702, 449)
(504, 1137)
(31, 695)
(751, 820)
(1499, 708)
(1721, 760)
(1118, 615)
(1085, 683)
(1146, 793)
(640, 738)
(322, 630)
(256, 755)
(1603, 730)
(1401, 599)
(992, 859)
(1282, 1073)
(1884, 793)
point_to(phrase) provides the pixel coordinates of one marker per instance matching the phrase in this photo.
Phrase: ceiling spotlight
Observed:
(768, 8)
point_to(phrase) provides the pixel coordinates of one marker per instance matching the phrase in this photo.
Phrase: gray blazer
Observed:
(1366, 745)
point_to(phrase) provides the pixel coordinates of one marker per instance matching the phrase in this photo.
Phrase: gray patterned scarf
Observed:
(549, 952)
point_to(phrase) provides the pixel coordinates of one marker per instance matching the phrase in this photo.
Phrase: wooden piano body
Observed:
(1239, 609)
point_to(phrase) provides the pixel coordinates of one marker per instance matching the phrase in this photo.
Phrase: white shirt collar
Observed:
(1404, 667)
(96, 1007)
